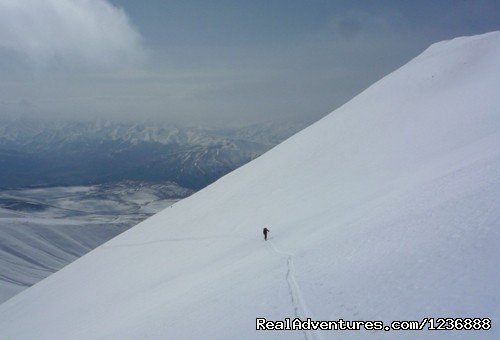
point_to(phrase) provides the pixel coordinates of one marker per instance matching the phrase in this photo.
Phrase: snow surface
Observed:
(386, 209)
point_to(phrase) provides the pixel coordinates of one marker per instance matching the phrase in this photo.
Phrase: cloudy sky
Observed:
(213, 62)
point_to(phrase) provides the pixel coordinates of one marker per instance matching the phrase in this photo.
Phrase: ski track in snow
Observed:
(299, 306)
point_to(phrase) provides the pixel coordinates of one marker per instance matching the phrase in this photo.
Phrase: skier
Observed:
(265, 233)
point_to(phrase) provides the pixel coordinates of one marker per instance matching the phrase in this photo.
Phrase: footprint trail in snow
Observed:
(300, 308)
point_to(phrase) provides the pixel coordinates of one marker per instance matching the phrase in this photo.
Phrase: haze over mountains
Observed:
(47, 153)
(386, 209)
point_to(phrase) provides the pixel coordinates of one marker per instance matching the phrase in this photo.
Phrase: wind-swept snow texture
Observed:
(386, 209)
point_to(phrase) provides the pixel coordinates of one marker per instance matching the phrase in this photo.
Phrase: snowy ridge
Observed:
(386, 209)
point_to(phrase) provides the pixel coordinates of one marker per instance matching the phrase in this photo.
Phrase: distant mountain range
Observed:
(47, 153)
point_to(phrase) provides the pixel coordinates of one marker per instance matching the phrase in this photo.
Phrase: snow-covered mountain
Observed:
(386, 209)
(44, 133)
(48, 153)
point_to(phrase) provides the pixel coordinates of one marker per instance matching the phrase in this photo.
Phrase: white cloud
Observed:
(69, 33)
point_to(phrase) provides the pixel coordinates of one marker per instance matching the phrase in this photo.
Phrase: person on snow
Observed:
(265, 233)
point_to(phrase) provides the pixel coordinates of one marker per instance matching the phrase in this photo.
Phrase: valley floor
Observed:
(44, 229)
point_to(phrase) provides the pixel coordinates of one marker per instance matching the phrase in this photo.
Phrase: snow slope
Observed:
(386, 209)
